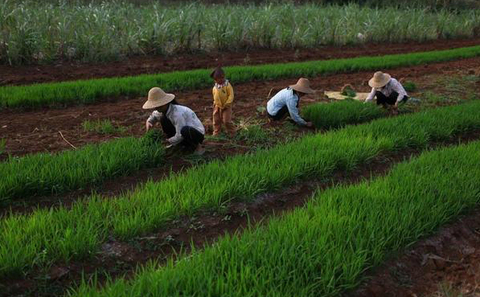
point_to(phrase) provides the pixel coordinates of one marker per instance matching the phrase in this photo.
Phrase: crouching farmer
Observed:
(179, 123)
(287, 101)
(388, 90)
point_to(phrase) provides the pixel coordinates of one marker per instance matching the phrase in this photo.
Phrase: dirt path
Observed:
(22, 75)
(38, 131)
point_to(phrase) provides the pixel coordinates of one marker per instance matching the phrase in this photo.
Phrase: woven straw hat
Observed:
(379, 79)
(157, 97)
(303, 86)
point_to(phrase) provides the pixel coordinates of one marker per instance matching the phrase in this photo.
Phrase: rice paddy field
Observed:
(365, 203)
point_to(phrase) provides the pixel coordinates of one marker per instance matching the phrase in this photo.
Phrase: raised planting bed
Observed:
(88, 91)
(324, 248)
(39, 174)
(79, 231)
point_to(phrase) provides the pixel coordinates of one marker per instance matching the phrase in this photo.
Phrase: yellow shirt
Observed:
(222, 94)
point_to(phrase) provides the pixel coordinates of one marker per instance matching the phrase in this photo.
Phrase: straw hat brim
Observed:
(380, 84)
(154, 103)
(302, 89)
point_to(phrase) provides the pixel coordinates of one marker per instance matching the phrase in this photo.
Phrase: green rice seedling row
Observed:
(44, 32)
(47, 174)
(70, 170)
(61, 234)
(324, 248)
(341, 113)
(88, 91)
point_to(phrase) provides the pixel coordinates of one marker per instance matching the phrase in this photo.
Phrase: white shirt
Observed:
(180, 116)
(388, 89)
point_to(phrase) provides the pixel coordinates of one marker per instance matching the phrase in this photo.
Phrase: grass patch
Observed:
(102, 127)
(88, 91)
(78, 232)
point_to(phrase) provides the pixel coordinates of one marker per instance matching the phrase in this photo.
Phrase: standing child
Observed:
(222, 103)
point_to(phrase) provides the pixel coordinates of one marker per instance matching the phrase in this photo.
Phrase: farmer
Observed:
(388, 90)
(179, 123)
(222, 102)
(287, 100)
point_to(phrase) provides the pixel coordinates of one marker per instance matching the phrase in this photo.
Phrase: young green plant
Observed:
(88, 91)
(79, 231)
(324, 248)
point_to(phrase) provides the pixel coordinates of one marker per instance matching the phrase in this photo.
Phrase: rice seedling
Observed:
(102, 127)
(62, 234)
(87, 91)
(341, 113)
(349, 91)
(324, 248)
(48, 174)
(54, 173)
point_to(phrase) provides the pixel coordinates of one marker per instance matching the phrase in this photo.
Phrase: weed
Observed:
(447, 290)
(409, 86)
(102, 127)
(253, 134)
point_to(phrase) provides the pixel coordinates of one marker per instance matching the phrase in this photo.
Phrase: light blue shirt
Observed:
(288, 98)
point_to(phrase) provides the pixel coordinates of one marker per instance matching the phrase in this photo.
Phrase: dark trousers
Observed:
(390, 100)
(280, 114)
(191, 136)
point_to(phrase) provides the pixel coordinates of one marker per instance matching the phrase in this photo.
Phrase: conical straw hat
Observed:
(157, 97)
(303, 86)
(379, 79)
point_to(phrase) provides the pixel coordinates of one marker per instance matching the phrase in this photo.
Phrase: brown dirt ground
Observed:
(39, 131)
(22, 75)
(120, 258)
